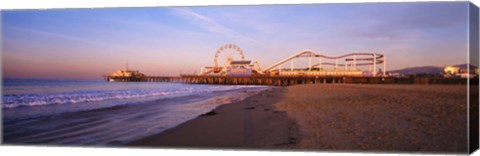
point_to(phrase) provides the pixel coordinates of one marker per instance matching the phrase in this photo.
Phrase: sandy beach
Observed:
(346, 117)
(424, 118)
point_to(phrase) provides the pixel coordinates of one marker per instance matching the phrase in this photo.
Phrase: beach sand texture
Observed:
(430, 118)
(334, 117)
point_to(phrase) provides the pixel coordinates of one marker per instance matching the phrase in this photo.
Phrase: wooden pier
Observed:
(293, 80)
(144, 79)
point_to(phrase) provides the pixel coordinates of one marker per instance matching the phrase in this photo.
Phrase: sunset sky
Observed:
(89, 43)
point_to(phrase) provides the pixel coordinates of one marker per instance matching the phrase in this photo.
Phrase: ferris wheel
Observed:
(227, 53)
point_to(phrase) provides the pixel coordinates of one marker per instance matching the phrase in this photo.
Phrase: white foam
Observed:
(18, 100)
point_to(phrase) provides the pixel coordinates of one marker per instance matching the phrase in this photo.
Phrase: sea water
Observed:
(95, 112)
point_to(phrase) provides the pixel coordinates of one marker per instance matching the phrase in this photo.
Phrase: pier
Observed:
(294, 80)
(143, 79)
(231, 68)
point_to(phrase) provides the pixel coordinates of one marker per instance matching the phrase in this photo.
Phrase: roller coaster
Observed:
(230, 60)
(345, 65)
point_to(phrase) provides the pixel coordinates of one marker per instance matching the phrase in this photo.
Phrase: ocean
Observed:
(100, 113)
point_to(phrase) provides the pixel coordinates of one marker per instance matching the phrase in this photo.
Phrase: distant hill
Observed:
(430, 70)
(465, 66)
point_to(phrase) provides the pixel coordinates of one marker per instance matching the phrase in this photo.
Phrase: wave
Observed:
(119, 124)
(20, 100)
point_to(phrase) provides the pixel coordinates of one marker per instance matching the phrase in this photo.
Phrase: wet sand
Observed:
(251, 123)
(346, 117)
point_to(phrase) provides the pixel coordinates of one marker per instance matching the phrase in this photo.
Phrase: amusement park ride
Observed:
(230, 61)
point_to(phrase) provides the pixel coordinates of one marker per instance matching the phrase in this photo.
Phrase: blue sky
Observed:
(87, 43)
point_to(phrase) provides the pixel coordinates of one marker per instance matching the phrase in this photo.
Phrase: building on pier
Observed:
(239, 68)
(125, 75)
(463, 71)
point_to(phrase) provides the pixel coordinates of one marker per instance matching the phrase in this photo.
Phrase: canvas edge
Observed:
(473, 93)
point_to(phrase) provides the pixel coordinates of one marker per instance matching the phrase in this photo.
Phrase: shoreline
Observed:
(113, 125)
(252, 123)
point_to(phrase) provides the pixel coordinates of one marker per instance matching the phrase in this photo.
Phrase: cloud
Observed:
(211, 25)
